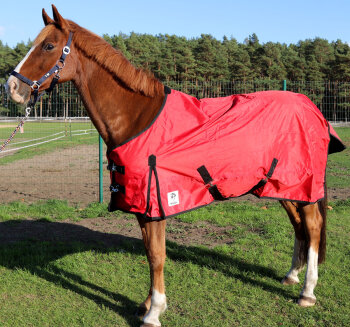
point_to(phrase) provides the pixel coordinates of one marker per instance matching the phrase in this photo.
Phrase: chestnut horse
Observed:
(122, 101)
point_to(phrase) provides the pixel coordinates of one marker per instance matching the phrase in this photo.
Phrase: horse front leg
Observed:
(153, 234)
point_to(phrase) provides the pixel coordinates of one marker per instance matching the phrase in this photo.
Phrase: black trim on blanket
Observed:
(111, 209)
(335, 145)
(283, 199)
(167, 91)
(325, 170)
(148, 187)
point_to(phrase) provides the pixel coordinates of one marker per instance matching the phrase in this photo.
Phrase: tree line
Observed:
(207, 67)
(206, 58)
(172, 57)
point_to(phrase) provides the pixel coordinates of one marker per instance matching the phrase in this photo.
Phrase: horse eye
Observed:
(48, 46)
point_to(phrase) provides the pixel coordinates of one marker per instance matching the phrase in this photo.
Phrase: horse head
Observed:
(44, 60)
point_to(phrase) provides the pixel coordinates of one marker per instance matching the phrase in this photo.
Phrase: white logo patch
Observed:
(173, 198)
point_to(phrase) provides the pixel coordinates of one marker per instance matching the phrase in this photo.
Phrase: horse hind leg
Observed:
(300, 253)
(314, 218)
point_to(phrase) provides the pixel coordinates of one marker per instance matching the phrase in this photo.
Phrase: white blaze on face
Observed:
(19, 66)
(13, 82)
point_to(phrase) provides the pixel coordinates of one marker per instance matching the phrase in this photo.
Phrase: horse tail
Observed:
(322, 207)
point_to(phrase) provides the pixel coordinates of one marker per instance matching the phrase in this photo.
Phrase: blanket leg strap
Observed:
(152, 160)
(207, 179)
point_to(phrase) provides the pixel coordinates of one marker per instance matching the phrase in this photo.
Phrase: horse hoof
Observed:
(289, 281)
(141, 311)
(305, 301)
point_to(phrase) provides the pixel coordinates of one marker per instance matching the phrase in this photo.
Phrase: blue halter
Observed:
(35, 85)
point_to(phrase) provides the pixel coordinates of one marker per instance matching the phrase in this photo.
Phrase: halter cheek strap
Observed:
(35, 85)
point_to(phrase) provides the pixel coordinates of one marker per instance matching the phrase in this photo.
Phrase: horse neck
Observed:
(117, 112)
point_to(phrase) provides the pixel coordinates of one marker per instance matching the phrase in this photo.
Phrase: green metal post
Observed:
(284, 85)
(100, 162)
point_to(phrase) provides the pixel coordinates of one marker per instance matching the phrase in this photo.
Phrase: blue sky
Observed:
(278, 21)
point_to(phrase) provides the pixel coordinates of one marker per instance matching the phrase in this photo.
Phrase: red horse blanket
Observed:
(273, 144)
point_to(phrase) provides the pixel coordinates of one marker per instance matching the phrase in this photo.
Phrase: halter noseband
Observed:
(35, 85)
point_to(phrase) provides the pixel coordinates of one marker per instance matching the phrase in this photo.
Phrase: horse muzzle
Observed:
(19, 91)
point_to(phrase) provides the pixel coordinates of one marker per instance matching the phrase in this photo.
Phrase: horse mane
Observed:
(96, 48)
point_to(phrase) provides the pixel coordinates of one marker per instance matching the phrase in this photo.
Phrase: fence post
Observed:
(100, 162)
(284, 85)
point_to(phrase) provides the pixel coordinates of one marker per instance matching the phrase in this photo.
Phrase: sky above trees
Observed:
(272, 20)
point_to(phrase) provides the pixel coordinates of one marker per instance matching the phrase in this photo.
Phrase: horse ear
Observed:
(47, 20)
(59, 20)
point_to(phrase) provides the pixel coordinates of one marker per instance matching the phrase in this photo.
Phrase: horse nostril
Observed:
(13, 86)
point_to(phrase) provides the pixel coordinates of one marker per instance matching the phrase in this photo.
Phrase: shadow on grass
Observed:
(32, 245)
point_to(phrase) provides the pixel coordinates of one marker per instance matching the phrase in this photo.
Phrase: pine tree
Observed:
(118, 42)
(293, 63)
(211, 59)
(238, 58)
(272, 59)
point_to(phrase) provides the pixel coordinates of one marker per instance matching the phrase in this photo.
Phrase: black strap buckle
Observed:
(207, 179)
(115, 188)
(113, 167)
(268, 176)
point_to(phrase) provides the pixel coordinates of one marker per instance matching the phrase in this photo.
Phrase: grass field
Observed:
(43, 131)
(338, 173)
(237, 283)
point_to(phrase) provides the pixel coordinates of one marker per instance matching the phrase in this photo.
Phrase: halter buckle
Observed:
(66, 50)
(58, 65)
(35, 85)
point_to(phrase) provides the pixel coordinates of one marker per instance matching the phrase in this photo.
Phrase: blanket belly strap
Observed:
(272, 169)
(207, 179)
(268, 176)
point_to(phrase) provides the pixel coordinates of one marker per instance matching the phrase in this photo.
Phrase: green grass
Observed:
(236, 284)
(53, 210)
(40, 129)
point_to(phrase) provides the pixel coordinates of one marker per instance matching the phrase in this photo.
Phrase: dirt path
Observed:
(67, 174)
